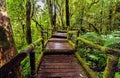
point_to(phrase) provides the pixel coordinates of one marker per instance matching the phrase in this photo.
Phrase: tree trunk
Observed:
(28, 22)
(67, 14)
(50, 8)
(7, 44)
(62, 14)
(110, 16)
(81, 20)
(54, 17)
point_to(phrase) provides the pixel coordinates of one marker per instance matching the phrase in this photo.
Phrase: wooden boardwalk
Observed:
(59, 60)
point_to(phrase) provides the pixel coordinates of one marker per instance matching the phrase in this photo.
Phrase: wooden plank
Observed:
(58, 46)
(15, 62)
(60, 35)
(58, 61)
(59, 57)
(58, 70)
(59, 67)
(61, 75)
(52, 64)
(58, 40)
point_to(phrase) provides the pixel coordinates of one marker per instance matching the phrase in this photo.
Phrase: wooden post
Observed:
(110, 69)
(42, 35)
(76, 44)
(32, 63)
(67, 15)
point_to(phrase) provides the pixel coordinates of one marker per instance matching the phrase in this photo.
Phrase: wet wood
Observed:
(60, 35)
(58, 43)
(59, 60)
(60, 66)
(15, 62)
(57, 40)
(58, 47)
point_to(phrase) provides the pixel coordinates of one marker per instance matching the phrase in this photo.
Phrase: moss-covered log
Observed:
(89, 71)
(110, 69)
(115, 52)
(72, 32)
(72, 44)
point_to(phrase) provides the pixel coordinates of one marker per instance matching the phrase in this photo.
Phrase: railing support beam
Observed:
(111, 66)
(32, 63)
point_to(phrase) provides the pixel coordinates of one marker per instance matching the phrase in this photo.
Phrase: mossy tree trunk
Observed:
(7, 44)
(50, 8)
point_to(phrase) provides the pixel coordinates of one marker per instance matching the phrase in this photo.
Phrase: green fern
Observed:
(94, 37)
(113, 40)
(94, 58)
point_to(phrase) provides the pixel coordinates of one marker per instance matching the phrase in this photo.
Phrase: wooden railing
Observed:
(73, 39)
(8, 69)
(112, 60)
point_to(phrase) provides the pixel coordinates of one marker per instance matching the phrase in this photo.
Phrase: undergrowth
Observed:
(96, 59)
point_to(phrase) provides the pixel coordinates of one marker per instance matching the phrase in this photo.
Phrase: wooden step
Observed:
(59, 35)
(58, 47)
(60, 66)
(57, 40)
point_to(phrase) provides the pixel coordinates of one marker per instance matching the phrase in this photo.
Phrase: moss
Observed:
(72, 44)
(115, 52)
(112, 62)
(89, 71)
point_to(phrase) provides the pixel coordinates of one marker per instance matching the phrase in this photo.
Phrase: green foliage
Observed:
(94, 58)
(113, 40)
(84, 14)
(117, 75)
(94, 37)
(26, 62)
(26, 67)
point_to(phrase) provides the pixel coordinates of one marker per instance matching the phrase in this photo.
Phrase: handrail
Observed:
(115, 52)
(74, 42)
(90, 72)
(112, 59)
(15, 61)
